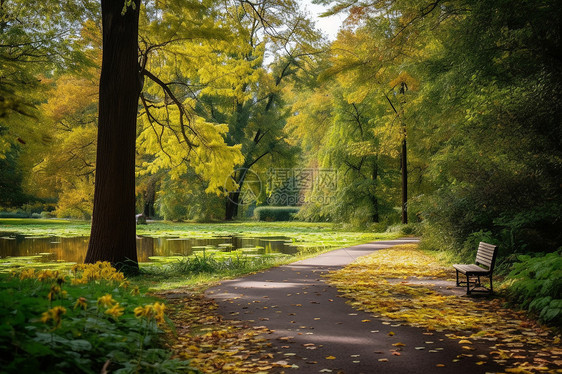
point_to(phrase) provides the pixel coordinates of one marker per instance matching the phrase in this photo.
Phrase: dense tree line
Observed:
(461, 97)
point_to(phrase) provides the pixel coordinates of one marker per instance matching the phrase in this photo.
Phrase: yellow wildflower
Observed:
(77, 267)
(106, 301)
(27, 273)
(159, 312)
(115, 311)
(54, 314)
(81, 303)
(55, 290)
(135, 291)
(148, 311)
(47, 275)
(139, 312)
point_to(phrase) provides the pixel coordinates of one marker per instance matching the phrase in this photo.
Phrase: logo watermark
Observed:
(284, 186)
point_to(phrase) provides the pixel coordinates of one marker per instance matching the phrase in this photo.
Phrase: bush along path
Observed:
(402, 315)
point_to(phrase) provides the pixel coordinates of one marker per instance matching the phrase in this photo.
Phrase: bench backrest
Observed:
(486, 255)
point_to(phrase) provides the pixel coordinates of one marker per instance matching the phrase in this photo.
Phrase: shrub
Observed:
(14, 214)
(53, 322)
(535, 283)
(275, 213)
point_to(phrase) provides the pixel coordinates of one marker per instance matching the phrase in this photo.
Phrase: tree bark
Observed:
(404, 167)
(113, 233)
(231, 209)
(374, 199)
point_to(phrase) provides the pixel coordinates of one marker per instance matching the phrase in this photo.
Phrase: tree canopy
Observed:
(468, 90)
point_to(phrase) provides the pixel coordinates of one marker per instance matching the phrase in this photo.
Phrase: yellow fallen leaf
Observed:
(391, 334)
(330, 358)
(464, 341)
(399, 344)
(383, 359)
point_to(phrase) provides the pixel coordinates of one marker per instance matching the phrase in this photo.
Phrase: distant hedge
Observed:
(275, 213)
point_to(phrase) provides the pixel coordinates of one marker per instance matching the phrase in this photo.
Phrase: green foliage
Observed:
(275, 213)
(225, 264)
(83, 336)
(11, 191)
(185, 199)
(535, 283)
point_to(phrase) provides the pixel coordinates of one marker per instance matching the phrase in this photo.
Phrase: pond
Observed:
(73, 249)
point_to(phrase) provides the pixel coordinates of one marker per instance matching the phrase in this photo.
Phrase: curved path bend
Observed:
(318, 332)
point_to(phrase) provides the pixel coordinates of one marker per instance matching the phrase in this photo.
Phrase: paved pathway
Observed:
(317, 331)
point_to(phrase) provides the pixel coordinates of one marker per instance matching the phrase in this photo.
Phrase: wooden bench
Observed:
(483, 267)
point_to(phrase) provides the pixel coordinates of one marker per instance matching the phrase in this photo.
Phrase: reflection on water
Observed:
(74, 249)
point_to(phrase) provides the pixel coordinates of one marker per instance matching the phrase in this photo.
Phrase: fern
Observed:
(536, 285)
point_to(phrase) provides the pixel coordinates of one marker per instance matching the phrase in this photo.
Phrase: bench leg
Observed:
(458, 284)
(467, 285)
(491, 286)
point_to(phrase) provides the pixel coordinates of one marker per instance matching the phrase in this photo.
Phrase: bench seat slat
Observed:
(470, 269)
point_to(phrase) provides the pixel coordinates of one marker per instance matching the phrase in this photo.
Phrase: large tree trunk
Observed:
(113, 234)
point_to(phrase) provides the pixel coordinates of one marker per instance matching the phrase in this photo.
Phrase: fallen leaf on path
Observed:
(373, 283)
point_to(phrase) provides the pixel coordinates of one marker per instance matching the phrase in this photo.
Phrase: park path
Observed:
(318, 332)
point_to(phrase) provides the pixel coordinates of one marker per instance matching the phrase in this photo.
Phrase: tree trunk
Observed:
(404, 167)
(231, 209)
(149, 197)
(113, 233)
(233, 198)
(374, 200)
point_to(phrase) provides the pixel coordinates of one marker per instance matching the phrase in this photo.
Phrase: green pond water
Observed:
(73, 249)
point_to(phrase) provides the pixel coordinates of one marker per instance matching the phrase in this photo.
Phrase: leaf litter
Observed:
(213, 344)
(369, 284)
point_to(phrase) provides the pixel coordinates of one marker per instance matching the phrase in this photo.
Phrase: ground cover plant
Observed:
(397, 284)
(89, 319)
(535, 283)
